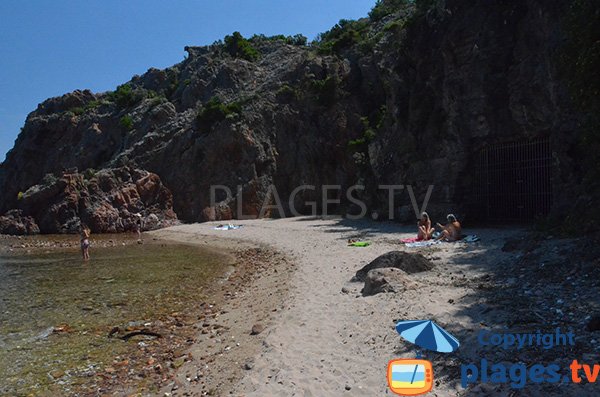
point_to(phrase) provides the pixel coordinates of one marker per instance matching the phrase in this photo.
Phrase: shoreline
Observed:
(318, 335)
(230, 337)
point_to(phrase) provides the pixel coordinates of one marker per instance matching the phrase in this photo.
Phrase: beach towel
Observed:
(226, 227)
(410, 240)
(359, 244)
(418, 244)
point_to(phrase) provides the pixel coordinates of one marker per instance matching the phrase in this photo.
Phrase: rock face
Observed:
(111, 200)
(386, 280)
(404, 261)
(408, 104)
(14, 223)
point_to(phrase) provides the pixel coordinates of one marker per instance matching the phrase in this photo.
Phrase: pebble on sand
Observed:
(257, 329)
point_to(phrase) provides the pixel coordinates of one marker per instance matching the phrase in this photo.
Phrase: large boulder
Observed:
(388, 279)
(405, 261)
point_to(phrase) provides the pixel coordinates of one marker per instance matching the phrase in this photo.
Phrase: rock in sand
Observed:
(405, 261)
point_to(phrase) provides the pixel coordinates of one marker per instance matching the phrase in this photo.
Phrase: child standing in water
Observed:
(138, 227)
(84, 234)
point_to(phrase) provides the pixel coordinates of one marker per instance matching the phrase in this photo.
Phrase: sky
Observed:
(51, 47)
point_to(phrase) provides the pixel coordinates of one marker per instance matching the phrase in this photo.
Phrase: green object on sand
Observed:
(360, 244)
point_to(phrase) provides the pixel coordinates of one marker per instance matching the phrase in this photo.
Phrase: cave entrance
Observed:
(512, 181)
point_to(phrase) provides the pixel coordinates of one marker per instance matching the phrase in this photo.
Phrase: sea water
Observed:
(42, 292)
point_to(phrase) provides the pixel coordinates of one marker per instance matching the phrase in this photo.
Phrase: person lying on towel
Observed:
(452, 231)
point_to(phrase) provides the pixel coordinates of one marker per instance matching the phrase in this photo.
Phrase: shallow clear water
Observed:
(119, 285)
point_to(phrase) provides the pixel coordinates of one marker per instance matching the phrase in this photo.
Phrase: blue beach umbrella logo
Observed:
(427, 335)
(412, 377)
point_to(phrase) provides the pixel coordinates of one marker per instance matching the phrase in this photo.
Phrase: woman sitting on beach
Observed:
(84, 234)
(425, 229)
(452, 231)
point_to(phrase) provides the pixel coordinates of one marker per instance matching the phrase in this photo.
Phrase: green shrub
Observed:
(297, 39)
(343, 35)
(237, 46)
(78, 111)
(123, 96)
(157, 101)
(287, 93)
(341, 27)
(370, 126)
(126, 122)
(384, 8)
(346, 39)
(20, 196)
(393, 26)
(326, 91)
(93, 104)
(215, 110)
(90, 173)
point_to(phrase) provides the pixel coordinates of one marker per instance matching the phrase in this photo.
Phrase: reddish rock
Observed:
(110, 201)
(14, 223)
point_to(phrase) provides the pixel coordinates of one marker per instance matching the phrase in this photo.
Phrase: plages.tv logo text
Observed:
(517, 375)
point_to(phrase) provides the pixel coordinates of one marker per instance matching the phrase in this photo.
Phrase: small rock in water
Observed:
(257, 329)
(57, 373)
(178, 362)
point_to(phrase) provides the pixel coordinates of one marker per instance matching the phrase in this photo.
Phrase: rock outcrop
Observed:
(14, 223)
(110, 200)
(404, 261)
(406, 98)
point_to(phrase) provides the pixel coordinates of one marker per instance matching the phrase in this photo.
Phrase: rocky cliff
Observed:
(405, 96)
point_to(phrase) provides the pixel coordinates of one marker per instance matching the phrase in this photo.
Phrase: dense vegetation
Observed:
(237, 46)
(215, 110)
(297, 39)
(126, 122)
(359, 34)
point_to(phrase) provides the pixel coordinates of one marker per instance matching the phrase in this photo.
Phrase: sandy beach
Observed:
(324, 338)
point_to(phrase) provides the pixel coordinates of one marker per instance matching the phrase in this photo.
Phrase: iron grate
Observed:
(512, 181)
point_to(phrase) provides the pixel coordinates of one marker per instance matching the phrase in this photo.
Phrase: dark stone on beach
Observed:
(386, 280)
(257, 329)
(594, 324)
(249, 365)
(345, 290)
(407, 262)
